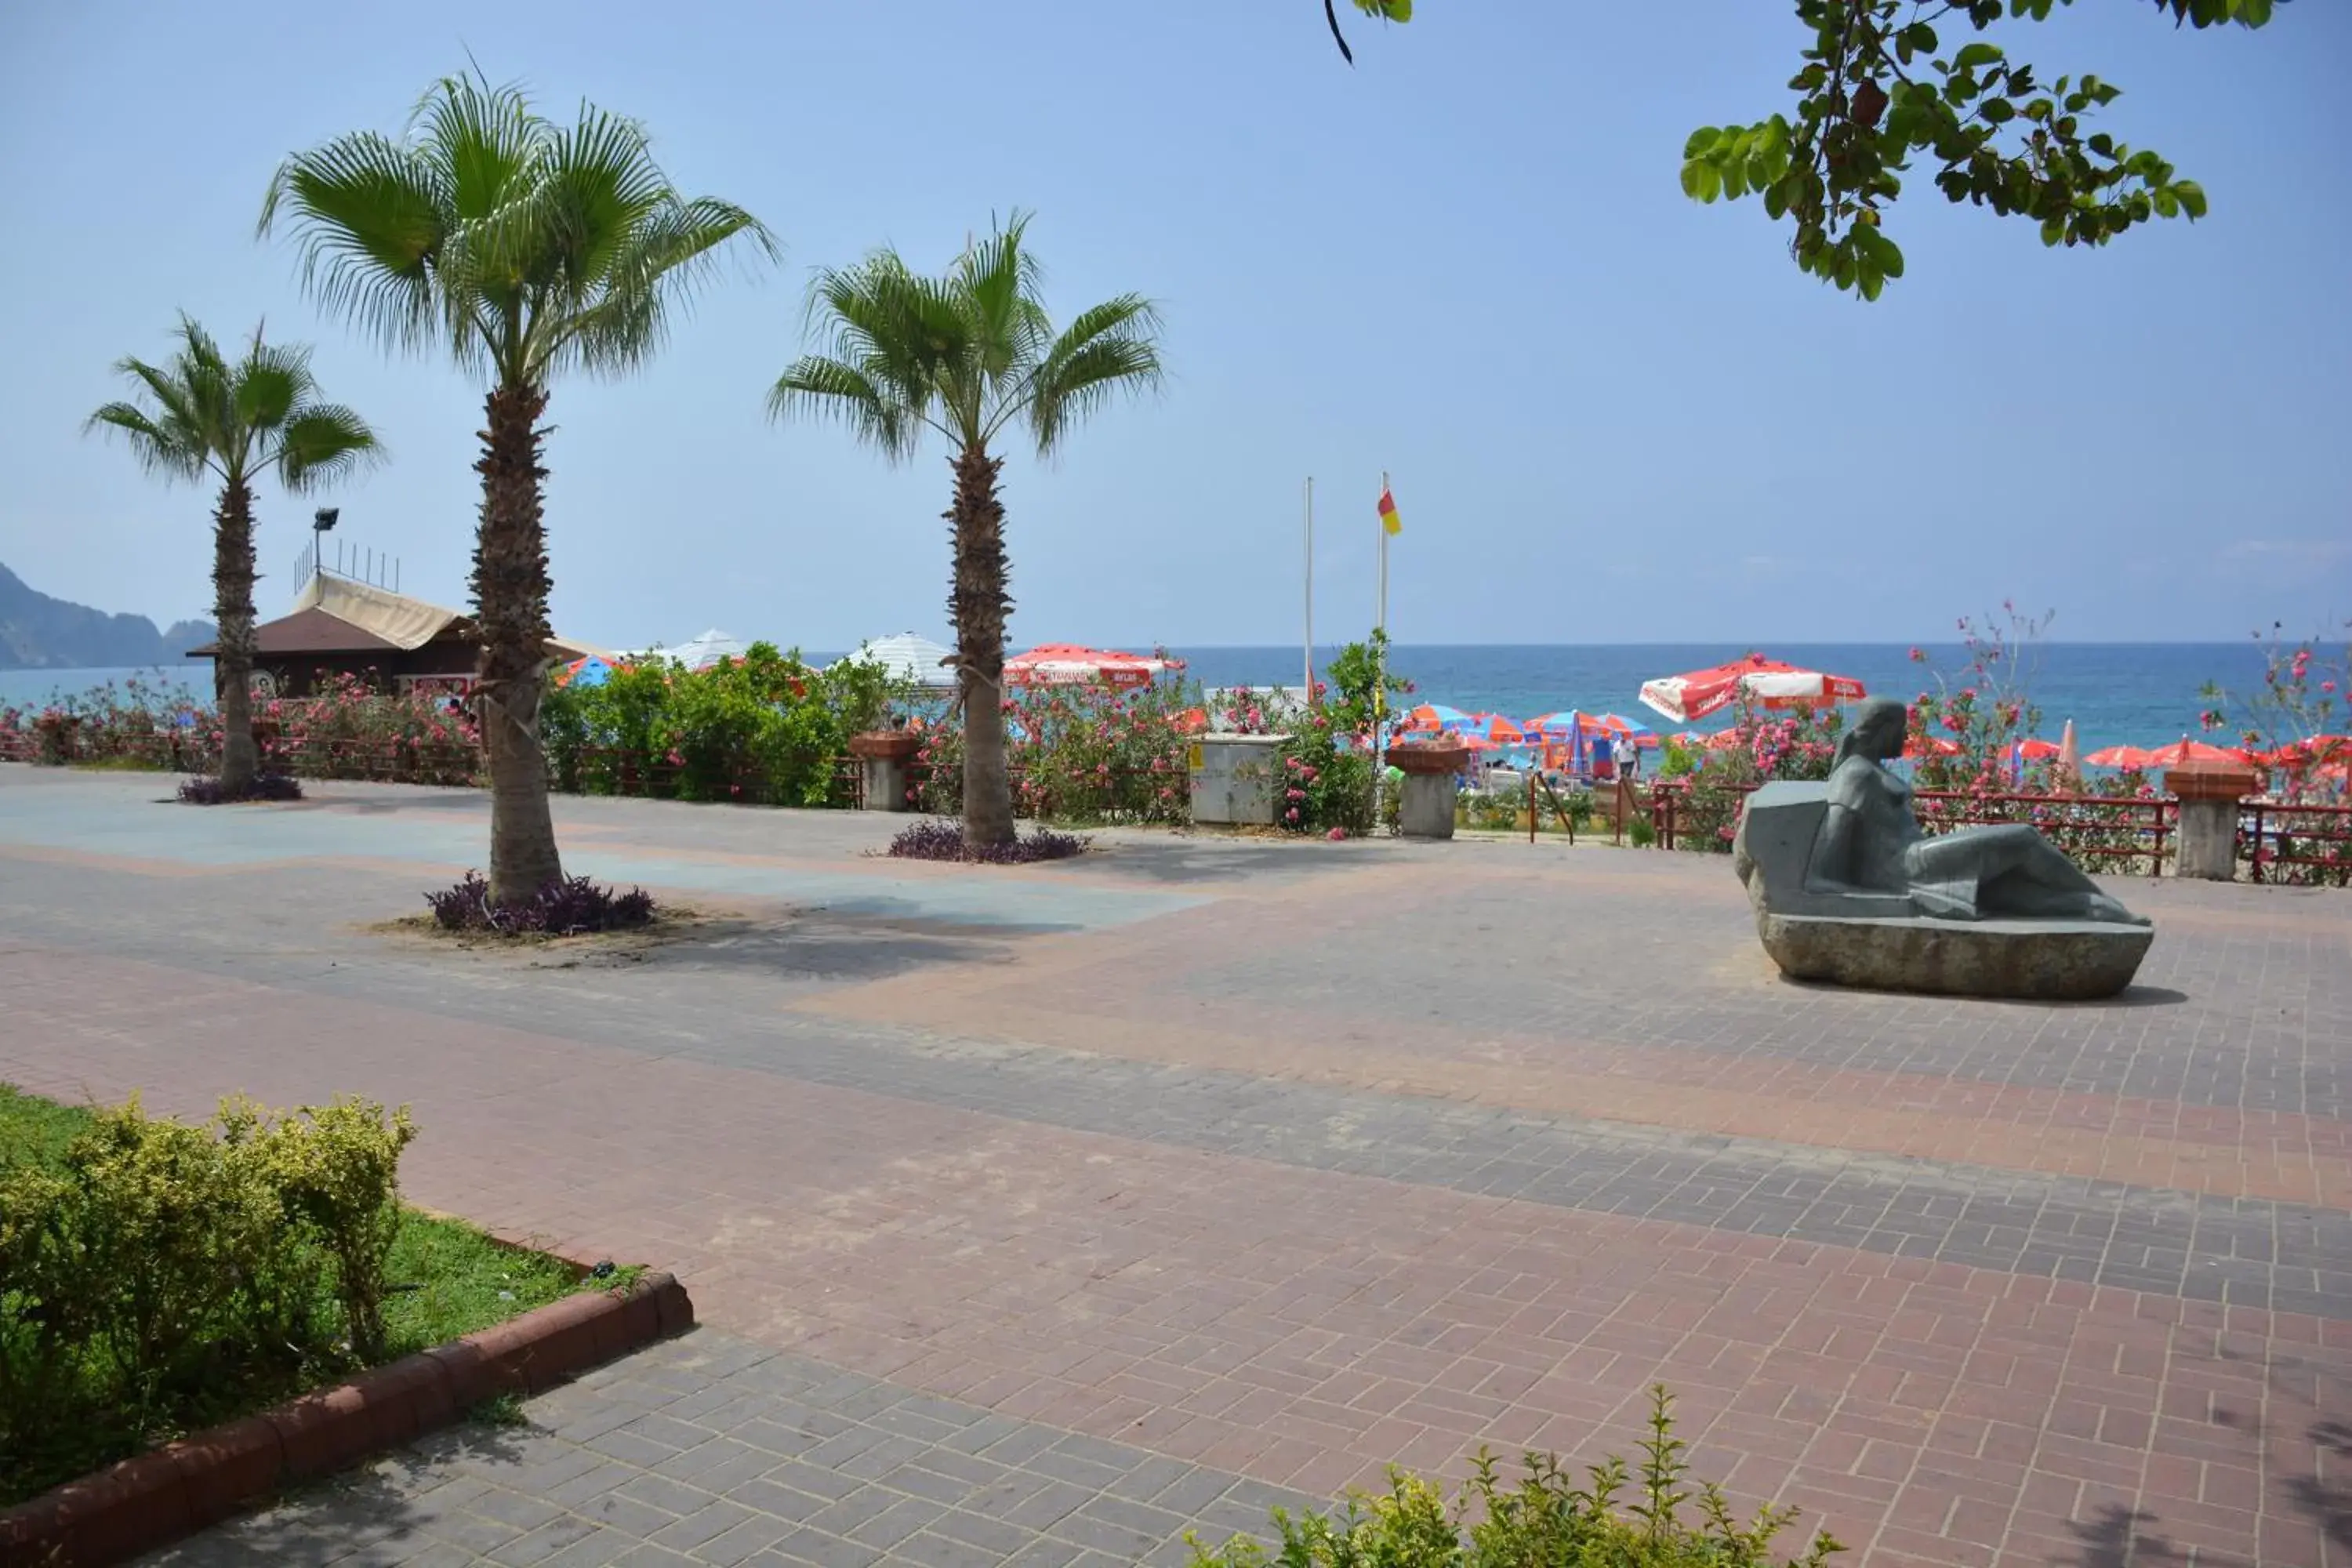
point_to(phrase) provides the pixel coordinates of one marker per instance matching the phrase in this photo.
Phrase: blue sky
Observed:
(1610, 414)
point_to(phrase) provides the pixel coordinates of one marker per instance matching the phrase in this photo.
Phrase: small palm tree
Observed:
(525, 248)
(198, 414)
(967, 355)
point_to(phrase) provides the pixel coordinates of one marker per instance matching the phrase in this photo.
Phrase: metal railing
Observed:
(2306, 844)
(2098, 827)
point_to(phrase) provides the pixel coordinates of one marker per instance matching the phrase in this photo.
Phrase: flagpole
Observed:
(1380, 669)
(1310, 591)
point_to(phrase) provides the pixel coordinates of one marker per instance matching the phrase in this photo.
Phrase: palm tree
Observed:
(966, 355)
(525, 248)
(197, 415)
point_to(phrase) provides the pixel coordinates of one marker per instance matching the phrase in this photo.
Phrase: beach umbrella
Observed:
(2180, 752)
(910, 659)
(1435, 716)
(1496, 729)
(588, 671)
(708, 649)
(2323, 749)
(1073, 664)
(1767, 682)
(2033, 748)
(1931, 746)
(2070, 750)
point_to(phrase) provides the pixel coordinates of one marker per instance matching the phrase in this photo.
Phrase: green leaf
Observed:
(1699, 141)
(1921, 37)
(1974, 54)
(2192, 197)
(1999, 111)
(1692, 172)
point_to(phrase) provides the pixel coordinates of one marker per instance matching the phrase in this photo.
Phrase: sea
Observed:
(2140, 694)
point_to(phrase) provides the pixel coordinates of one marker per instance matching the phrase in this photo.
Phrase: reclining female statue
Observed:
(1870, 842)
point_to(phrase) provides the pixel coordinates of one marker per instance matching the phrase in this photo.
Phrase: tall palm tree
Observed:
(198, 414)
(524, 248)
(967, 355)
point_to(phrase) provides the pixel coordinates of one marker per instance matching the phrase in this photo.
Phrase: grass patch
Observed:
(33, 1130)
(450, 1279)
(445, 1279)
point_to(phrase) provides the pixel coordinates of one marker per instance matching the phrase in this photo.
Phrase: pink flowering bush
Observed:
(1761, 745)
(345, 728)
(1964, 733)
(2298, 720)
(350, 729)
(1085, 754)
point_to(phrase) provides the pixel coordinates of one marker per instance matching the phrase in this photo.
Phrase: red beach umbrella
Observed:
(1767, 682)
(1072, 663)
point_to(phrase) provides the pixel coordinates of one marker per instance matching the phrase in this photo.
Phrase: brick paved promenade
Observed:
(1036, 1215)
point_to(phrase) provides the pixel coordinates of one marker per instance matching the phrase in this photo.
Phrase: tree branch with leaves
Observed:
(1879, 93)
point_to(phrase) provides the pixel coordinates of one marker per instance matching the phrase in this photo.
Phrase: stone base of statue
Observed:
(2040, 961)
(1844, 936)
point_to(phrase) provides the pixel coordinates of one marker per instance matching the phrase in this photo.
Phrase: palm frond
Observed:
(1002, 280)
(817, 387)
(270, 382)
(1109, 349)
(159, 449)
(481, 144)
(666, 257)
(495, 231)
(372, 220)
(323, 442)
(200, 412)
(898, 329)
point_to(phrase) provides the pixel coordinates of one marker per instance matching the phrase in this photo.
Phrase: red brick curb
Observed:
(176, 1489)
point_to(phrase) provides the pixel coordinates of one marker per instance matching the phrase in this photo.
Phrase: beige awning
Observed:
(403, 621)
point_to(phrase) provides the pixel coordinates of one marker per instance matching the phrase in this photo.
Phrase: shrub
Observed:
(1760, 747)
(767, 727)
(570, 906)
(1544, 1521)
(266, 787)
(160, 1275)
(338, 1172)
(944, 839)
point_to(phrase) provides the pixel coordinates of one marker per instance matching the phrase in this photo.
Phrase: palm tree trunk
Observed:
(510, 585)
(233, 577)
(978, 606)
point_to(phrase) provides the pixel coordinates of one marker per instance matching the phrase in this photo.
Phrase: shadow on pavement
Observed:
(817, 949)
(2328, 1505)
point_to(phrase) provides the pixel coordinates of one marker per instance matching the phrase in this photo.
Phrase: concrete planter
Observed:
(2209, 795)
(1233, 779)
(883, 756)
(1432, 775)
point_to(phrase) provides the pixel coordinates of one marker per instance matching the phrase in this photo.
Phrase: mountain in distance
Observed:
(37, 632)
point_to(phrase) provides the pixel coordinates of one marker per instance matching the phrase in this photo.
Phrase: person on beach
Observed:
(1627, 758)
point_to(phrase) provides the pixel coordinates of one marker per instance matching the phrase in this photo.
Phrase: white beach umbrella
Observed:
(708, 649)
(910, 659)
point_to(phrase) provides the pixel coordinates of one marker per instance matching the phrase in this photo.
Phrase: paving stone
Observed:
(1172, 1145)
